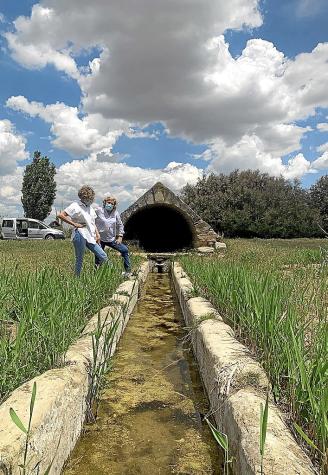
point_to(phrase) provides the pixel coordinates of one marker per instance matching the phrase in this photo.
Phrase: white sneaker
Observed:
(126, 275)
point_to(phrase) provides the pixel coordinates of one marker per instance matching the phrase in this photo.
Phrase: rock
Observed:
(205, 250)
(220, 245)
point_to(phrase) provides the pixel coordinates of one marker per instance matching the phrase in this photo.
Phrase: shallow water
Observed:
(150, 417)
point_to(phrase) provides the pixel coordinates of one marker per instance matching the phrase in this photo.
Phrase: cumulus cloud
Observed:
(323, 127)
(251, 153)
(88, 135)
(321, 163)
(12, 147)
(127, 183)
(10, 198)
(323, 147)
(172, 64)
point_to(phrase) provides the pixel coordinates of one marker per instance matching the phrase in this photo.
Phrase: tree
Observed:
(39, 187)
(253, 204)
(319, 199)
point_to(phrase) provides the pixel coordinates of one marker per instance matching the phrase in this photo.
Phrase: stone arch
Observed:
(161, 222)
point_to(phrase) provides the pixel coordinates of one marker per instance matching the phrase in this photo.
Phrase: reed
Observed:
(275, 297)
(48, 305)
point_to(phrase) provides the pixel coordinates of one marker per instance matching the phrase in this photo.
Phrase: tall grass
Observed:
(49, 306)
(280, 311)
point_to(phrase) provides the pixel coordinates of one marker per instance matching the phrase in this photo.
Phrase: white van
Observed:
(26, 228)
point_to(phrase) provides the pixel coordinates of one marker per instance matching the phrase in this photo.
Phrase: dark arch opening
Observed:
(159, 228)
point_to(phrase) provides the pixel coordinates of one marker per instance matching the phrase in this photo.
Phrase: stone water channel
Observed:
(151, 415)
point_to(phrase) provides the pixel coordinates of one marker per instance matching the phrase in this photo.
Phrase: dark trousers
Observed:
(122, 248)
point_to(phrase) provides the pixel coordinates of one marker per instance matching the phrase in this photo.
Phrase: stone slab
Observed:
(61, 400)
(236, 385)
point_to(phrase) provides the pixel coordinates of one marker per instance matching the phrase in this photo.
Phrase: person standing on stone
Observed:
(82, 217)
(111, 230)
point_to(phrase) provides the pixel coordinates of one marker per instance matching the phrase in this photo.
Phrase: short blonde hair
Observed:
(108, 196)
(86, 193)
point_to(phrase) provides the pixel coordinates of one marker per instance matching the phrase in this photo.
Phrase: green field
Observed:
(44, 307)
(274, 293)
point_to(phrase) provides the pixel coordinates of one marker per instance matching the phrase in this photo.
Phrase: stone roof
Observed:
(160, 195)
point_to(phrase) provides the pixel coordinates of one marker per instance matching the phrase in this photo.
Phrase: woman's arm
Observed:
(120, 228)
(65, 217)
(97, 235)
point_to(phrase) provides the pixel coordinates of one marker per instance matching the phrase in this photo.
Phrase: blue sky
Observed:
(169, 137)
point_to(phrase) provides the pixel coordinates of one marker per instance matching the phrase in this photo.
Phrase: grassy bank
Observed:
(274, 294)
(43, 307)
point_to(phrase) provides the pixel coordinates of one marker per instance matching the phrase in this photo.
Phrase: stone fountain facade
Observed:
(161, 196)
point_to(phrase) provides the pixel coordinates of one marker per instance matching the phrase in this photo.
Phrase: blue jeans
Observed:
(122, 248)
(80, 244)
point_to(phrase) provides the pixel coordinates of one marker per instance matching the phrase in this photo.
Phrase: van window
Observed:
(33, 225)
(8, 223)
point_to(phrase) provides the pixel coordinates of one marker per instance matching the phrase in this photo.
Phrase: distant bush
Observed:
(319, 199)
(253, 204)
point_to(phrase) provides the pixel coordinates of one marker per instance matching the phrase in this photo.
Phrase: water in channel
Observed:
(150, 417)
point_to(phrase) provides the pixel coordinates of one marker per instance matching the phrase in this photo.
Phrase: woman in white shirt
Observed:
(111, 230)
(82, 216)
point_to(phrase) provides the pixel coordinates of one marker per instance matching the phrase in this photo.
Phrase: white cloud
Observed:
(10, 186)
(171, 64)
(12, 147)
(321, 163)
(88, 135)
(323, 127)
(250, 153)
(127, 183)
(323, 147)
(124, 181)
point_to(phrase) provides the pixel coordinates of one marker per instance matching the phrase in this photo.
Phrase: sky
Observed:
(121, 94)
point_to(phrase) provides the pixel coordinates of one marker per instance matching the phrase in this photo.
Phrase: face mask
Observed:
(109, 206)
(87, 202)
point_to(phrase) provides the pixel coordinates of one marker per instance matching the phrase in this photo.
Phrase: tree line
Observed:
(243, 203)
(254, 204)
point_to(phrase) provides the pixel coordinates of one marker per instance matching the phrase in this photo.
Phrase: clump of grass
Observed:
(101, 361)
(24, 466)
(283, 320)
(49, 305)
(223, 441)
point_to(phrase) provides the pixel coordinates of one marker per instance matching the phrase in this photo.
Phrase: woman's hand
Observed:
(119, 239)
(64, 217)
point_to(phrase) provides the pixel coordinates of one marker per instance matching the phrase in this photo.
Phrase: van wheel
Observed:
(49, 237)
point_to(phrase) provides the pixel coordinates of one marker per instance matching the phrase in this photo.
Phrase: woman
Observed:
(111, 230)
(81, 216)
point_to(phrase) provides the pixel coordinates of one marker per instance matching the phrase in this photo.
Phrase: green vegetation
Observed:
(253, 204)
(274, 294)
(24, 466)
(39, 187)
(319, 198)
(43, 307)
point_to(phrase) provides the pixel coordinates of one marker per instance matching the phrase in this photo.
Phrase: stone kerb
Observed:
(236, 385)
(61, 400)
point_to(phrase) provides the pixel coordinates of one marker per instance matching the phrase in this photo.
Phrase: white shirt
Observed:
(109, 224)
(82, 214)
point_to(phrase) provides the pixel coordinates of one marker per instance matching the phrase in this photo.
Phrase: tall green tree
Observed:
(253, 204)
(39, 187)
(319, 198)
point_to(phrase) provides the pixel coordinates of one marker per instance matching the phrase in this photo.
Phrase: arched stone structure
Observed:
(162, 222)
